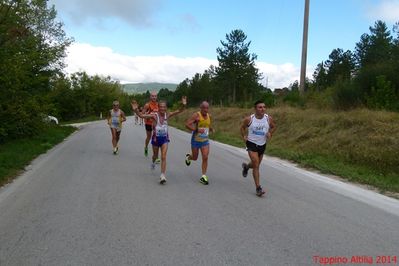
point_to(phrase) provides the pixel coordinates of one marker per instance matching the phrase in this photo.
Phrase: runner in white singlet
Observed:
(256, 130)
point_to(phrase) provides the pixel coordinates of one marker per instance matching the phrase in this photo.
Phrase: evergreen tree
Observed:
(340, 66)
(236, 74)
(375, 58)
(320, 77)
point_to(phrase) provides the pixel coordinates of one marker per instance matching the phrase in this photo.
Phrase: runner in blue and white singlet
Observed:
(160, 137)
(260, 127)
(160, 131)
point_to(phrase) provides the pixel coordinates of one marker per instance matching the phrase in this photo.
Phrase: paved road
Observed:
(81, 205)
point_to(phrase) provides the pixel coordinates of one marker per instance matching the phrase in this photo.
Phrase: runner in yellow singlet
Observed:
(200, 125)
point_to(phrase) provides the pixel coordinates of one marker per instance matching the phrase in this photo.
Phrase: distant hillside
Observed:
(138, 88)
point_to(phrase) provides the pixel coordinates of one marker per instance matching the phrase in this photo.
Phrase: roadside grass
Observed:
(360, 145)
(16, 154)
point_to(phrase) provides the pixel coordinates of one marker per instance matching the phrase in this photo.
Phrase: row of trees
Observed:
(368, 75)
(32, 84)
(81, 96)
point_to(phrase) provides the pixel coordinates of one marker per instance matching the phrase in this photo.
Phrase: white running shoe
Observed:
(162, 179)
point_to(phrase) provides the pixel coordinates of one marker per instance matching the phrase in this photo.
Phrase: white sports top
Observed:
(258, 129)
(115, 118)
(161, 129)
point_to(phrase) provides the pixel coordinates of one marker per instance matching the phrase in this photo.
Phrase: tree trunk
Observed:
(234, 92)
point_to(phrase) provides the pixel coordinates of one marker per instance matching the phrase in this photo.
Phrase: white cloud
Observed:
(104, 61)
(279, 76)
(386, 10)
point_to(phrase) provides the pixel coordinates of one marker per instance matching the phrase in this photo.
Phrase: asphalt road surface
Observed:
(81, 205)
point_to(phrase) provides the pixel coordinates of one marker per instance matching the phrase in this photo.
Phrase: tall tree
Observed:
(375, 47)
(320, 77)
(340, 66)
(32, 48)
(236, 74)
(374, 58)
(183, 89)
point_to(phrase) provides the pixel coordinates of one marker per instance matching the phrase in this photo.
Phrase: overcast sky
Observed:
(171, 40)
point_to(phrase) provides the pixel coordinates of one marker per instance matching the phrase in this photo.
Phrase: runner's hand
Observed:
(134, 105)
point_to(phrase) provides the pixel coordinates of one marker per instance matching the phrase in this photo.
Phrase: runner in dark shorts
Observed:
(256, 130)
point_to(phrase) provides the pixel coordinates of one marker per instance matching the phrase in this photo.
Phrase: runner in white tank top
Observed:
(115, 119)
(260, 127)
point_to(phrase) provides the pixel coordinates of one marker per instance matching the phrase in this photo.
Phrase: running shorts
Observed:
(159, 141)
(260, 149)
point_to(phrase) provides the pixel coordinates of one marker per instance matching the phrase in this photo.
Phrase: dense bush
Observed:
(383, 95)
(345, 96)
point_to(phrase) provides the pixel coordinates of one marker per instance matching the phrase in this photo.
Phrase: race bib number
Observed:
(115, 121)
(205, 132)
(259, 133)
(161, 131)
(259, 130)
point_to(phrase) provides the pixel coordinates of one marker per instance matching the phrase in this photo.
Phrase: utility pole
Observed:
(304, 48)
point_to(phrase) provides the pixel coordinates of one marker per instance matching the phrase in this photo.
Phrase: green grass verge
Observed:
(16, 154)
(328, 164)
(325, 164)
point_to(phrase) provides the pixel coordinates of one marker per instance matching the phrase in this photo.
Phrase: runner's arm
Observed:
(123, 116)
(109, 118)
(145, 116)
(142, 114)
(243, 128)
(184, 103)
(191, 121)
(272, 128)
(146, 107)
(176, 112)
(211, 128)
